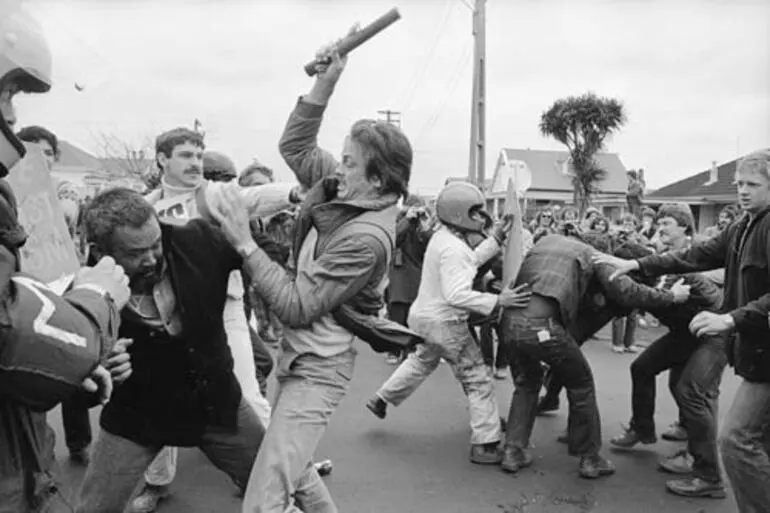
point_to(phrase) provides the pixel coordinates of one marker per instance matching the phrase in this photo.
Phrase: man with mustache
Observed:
(695, 370)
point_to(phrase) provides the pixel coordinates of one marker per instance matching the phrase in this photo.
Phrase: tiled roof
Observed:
(700, 185)
(550, 170)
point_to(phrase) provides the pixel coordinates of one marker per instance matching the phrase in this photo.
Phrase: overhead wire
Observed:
(419, 74)
(454, 81)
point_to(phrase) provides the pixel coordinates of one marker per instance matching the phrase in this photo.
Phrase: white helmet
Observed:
(25, 57)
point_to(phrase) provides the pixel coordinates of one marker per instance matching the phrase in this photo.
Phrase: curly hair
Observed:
(112, 209)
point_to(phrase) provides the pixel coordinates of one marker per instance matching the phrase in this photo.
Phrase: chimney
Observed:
(714, 173)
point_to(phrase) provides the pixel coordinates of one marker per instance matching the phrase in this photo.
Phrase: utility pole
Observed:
(477, 161)
(391, 116)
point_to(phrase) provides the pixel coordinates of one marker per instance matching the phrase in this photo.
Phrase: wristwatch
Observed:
(245, 250)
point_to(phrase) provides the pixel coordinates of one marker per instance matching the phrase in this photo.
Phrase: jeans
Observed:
(77, 423)
(284, 479)
(534, 340)
(117, 464)
(451, 340)
(697, 367)
(744, 443)
(487, 343)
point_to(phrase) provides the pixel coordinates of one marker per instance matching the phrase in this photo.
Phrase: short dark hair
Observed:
(36, 134)
(679, 212)
(253, 169)
(112, 209)
(170, 139)
(388, 154)
(218, 167)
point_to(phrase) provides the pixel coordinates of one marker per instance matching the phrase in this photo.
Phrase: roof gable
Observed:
(72, 156)
(700, 184)
(551, 170)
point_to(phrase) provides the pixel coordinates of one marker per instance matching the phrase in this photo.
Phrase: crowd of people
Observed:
(186, 291)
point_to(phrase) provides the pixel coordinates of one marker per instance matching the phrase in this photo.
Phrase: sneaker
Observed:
(486, 454)
(147, 501)
(515, 459)
(631, 437)
(696, 487)
(618, 349)
(675, 433)
(500, 374)
(378, 406)
(547, 404)
(679, 463)
(80, 457)
(634, 348)
(593, 467)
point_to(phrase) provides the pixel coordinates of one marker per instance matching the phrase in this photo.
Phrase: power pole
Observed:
(391, 116)
(477, 161)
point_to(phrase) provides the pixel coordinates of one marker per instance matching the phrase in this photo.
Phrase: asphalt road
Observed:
(416, 460)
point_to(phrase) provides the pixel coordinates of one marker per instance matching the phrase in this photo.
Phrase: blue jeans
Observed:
(745, 446)
(284, 479)
(534, 340)
(117, 464)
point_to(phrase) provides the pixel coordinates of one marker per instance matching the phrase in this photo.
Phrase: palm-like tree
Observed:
(582, 124)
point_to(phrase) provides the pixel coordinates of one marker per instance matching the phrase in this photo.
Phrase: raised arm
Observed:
(299, 142)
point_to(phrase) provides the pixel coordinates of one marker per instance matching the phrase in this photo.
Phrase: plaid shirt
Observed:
(560, 268)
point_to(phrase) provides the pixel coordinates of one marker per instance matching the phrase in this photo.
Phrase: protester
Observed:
(183, 391)
(184, 164)
(413, 231)
(695, 371)
(343, 242)
(85, 314)
(742, 249)
(440, 314)
(563, 282)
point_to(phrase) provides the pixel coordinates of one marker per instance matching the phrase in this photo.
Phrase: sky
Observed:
(694, 76)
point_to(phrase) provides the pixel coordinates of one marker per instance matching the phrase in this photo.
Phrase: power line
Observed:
(420, 73)
(454, 81)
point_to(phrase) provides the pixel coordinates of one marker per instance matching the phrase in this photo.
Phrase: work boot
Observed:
(149, 498)
(593, 467)
(515, 459)
(675, 433)
(547, 404)
(679, 463)
(631, 437)
(378, 406)
(696, 487)
(486, 454)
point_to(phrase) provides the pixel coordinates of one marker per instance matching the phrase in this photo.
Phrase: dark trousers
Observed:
(262, 359)
(696, 367)
(531, 341)
(77, 423)
(487, 343)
